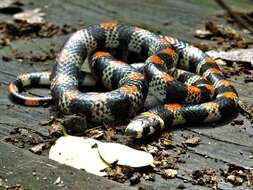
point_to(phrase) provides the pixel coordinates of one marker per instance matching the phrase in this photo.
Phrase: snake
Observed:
(189, 84)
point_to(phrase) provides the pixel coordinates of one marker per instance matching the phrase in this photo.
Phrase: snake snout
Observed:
(135, 129)
(142, 126)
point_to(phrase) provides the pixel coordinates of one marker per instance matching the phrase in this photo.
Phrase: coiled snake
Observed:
(194, 98)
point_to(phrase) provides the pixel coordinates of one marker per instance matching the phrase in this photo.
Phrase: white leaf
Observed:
(240, 55)
(6, 3)
(124, 155)
(78, 153)
(94, 156)
(31, 16)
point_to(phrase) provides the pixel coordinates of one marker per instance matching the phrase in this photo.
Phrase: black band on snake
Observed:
(189, 98)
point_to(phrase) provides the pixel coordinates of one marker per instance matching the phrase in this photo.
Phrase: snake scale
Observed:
(187, 81)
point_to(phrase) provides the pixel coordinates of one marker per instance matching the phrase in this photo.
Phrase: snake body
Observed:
(186, 96)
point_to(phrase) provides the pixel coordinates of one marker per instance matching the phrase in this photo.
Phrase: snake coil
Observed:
(188, 98)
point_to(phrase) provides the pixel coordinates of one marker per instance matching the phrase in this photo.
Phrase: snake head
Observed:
(144, 125)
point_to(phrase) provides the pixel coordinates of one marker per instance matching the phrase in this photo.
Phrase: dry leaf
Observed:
(217, 30)
(31, 16)
(169, 173)
(150, 148)
(205, 177)
(110, 134)
(94, 133)
(236, 180)
(240, 55)
(202, 33)
(247, 108)
(56, 128)
(193, 141)
(37, 149)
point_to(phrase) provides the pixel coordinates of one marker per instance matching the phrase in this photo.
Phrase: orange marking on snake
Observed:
(168, 51)
(214, 71)
(211, 105)
(224, 82)
(173, 106)
(109, 25)
(135, 76)
(209, 87)
(193, 89)
(12, 88)
(32, 102)
(230, 95)
(167, 77)
(102, 54)
(156, 59)
(129, 89)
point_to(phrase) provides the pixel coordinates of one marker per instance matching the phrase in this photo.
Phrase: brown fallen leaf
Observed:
(170, 173)
(151, 149)
(109, 134)
(205, 177)
(192, 141)
(225, 36)
(247, 109)
(31, 16)
(119, 173)
(166, 143)
(95, 133)
(56, 128)
(203, 33)
(236, 180)
(13, 30)
(37, 149)
(237, 175)
(238, 55)
(212, 29)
